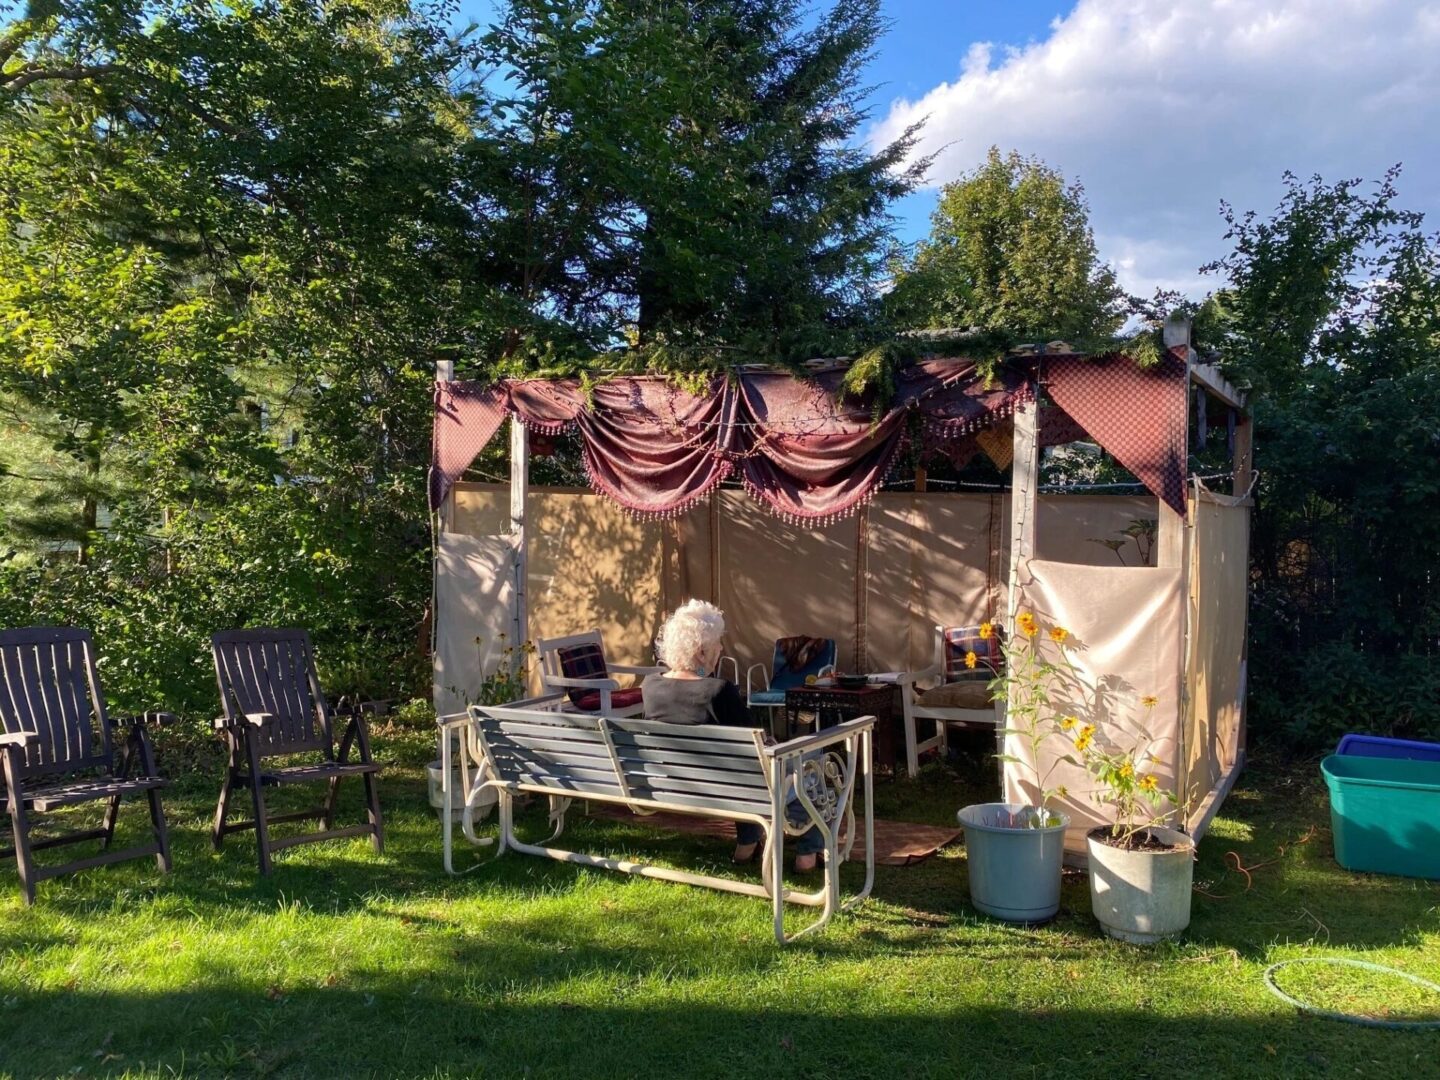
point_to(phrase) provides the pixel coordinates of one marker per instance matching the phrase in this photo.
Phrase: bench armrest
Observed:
(582, 684)
(258, 719)
(823, 737)
(17, 738)
(635, 669)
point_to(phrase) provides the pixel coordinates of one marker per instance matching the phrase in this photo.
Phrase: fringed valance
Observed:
(804, 452)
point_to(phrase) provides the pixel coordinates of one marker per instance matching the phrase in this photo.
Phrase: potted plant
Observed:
(1015, 851)
(1140, 869)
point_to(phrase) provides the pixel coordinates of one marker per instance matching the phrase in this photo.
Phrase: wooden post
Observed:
(1244, 457)
(1170, 529)
(519, 502)
(1024, 486)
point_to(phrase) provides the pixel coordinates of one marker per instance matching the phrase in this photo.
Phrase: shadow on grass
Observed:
(475, 1028)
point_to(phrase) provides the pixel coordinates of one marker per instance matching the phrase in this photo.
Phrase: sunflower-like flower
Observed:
(1068, 722)
(1127, 770)
(1149, 783)
(1028, 626)
(1058, 634)
(1149, 701)
(1085, 738)
(971, 659)
(987, 631)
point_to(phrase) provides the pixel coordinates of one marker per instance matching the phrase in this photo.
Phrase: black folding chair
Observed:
(56, 739)
(274, 708)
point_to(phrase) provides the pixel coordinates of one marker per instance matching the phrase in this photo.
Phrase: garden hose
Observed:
(1350, 1018)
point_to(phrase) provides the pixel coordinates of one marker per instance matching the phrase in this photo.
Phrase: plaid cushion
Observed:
(989, 652)
(583, 662)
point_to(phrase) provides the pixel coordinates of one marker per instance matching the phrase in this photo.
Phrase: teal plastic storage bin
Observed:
(1385, 813)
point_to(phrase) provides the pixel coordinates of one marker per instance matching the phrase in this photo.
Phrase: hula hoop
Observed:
(1350, 1018)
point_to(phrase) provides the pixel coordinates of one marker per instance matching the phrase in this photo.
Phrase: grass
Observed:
(348, 964)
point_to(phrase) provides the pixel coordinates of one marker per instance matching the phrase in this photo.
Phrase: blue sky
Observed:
(1162, 108)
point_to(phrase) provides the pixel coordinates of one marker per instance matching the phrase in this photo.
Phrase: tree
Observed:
(1010, 252)
(681, 176)
(1331, 313)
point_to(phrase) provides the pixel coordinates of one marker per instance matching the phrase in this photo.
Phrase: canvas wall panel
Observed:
(1218, 596)
(1125, 626)
(777, 580)
(474, 614)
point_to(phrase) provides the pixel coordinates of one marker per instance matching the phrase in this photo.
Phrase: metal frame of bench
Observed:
(702, 770)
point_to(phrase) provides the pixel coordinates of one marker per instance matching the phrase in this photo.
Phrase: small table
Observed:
(833, 704)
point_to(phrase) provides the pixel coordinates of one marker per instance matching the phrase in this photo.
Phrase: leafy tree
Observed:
(680, 176)
(1332, 314)
(1011, 253)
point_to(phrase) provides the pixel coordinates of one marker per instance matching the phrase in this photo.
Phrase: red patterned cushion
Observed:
(989, 652)
(589, 700)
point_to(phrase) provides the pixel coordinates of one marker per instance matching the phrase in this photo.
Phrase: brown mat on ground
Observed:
(897, 843)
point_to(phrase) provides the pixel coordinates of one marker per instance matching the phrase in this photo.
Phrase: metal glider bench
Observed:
(705, 770)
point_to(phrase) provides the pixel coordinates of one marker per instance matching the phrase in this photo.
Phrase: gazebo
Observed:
(809, 542)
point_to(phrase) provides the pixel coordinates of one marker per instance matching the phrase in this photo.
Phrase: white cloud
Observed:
(1162, 108)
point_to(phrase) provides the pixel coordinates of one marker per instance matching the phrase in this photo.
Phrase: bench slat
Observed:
(562, 732)
(529, 744)
(563, 785)
(698, 744)
(657, 770)
(548, 766)
(640, 729)
(661, 788)
(701, 760)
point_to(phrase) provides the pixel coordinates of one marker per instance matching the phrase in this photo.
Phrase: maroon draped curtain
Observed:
(809, 454)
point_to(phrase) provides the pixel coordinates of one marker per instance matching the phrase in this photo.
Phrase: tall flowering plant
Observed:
(1127, 781)
(1025, 683)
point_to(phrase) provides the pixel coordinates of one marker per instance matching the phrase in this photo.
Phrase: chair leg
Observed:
(329, 819)
(162, 834)
(112, 812)
(372, 806)
(257, 797)
(20, 825)
(222, 808)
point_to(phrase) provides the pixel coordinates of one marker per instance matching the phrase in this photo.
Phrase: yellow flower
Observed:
(1062, 791)
(1127, 770)
(1149, 701)
(1027, 624)
(970, 660)
(1087, 734)
(1149, 783)
(987, 631)
(1068, 722)
(1059, 634)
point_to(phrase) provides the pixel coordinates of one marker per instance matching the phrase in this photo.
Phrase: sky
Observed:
(1162, 108)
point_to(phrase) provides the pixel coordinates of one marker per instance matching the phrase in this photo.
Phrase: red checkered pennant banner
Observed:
(467, 416)
(1139, 415)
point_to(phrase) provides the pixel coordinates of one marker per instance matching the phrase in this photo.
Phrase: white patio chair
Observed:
(576, 667)
(957, 694)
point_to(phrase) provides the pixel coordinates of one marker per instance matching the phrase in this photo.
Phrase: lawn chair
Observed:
(960, 694)
(274, 707)
(576, 667)
(796, 659)
(51, 708)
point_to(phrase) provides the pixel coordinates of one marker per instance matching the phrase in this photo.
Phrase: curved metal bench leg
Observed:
(504, 816)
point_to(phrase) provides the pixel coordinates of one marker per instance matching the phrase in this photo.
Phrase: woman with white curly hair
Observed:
(689, 644)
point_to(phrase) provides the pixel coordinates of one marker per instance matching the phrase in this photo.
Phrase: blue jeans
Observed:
(807, 843)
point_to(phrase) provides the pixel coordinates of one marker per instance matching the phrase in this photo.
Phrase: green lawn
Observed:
(345, 964)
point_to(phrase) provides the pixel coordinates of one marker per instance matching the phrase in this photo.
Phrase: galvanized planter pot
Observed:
(1014, 870)
(1142, 896)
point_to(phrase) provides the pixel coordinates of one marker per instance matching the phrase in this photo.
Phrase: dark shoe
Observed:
(739, 859)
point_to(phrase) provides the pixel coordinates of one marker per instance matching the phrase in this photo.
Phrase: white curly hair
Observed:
(690, 635)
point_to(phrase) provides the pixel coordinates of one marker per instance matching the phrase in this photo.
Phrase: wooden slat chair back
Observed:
(58, 747)
(274, 707)
(706, 770)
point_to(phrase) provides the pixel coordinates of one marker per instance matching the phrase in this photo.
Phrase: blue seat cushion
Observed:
(767, 697)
